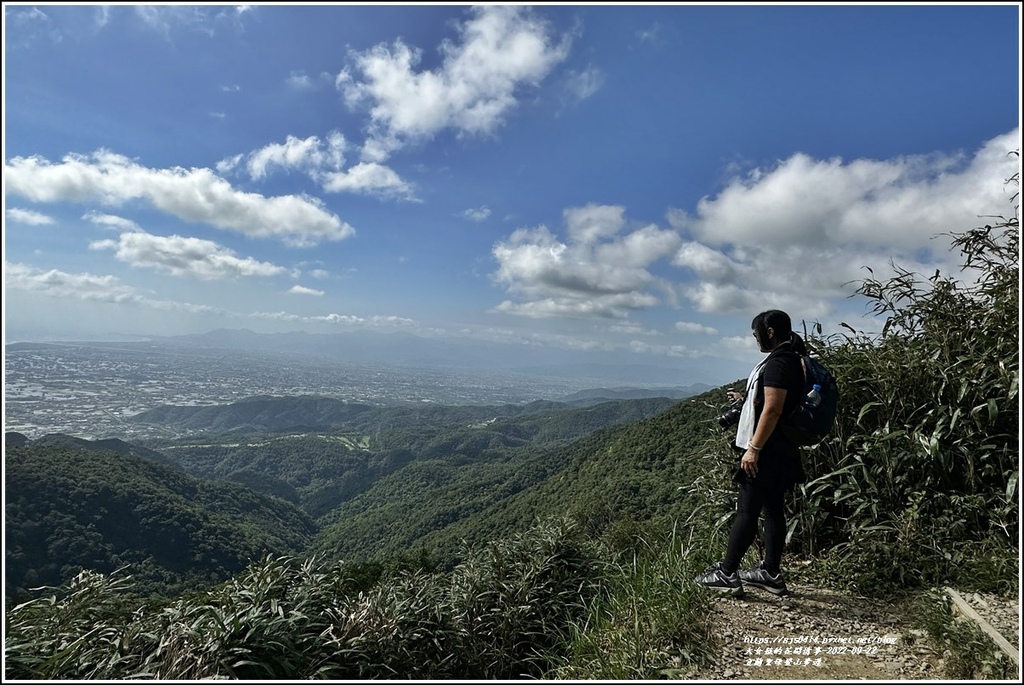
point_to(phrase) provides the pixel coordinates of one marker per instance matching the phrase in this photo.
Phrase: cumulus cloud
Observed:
(196, 195)
(370, 179)
(798, 234)
(302, 290)
(310, 155)
(501, 48)
(179, 256)
(27, 216)
(323, 162)
(595, 273)
(797, 237)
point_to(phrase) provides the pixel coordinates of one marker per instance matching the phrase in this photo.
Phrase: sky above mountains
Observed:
(631, 182)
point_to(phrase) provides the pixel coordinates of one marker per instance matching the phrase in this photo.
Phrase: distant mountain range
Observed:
(312, 413)
(400, 348)
(603, 394)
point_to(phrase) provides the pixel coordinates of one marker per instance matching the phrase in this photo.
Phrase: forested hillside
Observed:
(68, 509)
(319, 470)
(634, 477)
(193, 512)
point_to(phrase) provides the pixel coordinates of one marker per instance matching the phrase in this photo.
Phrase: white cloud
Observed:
(632, 328)
(310, 155)
(390, 320)
(196, 195)
(798, 235)
(585, 83)
(88, 287)
(179, 256)
(226, 166)
(166, 19)
(27, 216)
(690, 327)
(596, 273)
(60, 284)
(708, 264)
(371, 179)
(476, 214)
(501, 49)
(299, 81)
(340, 319)
(111, 221)
(592, 223)
(93, 288)
(301, 290)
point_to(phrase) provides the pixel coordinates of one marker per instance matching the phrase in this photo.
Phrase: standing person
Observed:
(770, 464)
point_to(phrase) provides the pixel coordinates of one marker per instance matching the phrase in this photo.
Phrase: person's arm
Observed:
(774, 402)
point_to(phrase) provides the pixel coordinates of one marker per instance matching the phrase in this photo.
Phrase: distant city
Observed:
(88, 390)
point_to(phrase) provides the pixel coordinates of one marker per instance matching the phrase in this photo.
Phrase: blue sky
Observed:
(631, 182)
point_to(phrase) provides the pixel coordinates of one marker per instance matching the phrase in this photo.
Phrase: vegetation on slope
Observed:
(920, 483)
(68, 510)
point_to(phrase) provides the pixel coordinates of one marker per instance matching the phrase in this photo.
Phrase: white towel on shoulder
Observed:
(745, 429)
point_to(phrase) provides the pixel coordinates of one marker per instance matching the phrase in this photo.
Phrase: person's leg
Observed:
(744, 527)
(774, 502)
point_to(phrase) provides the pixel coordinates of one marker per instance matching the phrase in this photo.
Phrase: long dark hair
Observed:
(779, 321)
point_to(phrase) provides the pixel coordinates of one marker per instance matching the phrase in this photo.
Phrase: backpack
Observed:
(808, 424)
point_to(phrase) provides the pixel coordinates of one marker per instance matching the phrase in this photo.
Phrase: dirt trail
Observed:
(820, 634)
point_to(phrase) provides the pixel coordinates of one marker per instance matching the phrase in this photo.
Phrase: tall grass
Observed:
(652, 623)
(504, 614)
(919, 484)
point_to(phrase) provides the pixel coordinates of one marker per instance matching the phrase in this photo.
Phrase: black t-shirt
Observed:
(781, 370)
(779, 462)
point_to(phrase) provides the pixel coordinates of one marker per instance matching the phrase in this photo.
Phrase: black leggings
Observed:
(752, 500)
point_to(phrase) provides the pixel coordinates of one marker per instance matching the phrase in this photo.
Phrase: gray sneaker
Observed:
(720, 581)
(758, 577)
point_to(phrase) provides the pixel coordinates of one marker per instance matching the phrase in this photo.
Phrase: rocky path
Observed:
(820, 634)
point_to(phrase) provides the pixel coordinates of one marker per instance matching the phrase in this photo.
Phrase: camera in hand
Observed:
(730, 416)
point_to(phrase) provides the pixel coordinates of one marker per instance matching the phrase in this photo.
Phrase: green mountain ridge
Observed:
(224, 497)
(630, 473)
(93, 508)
